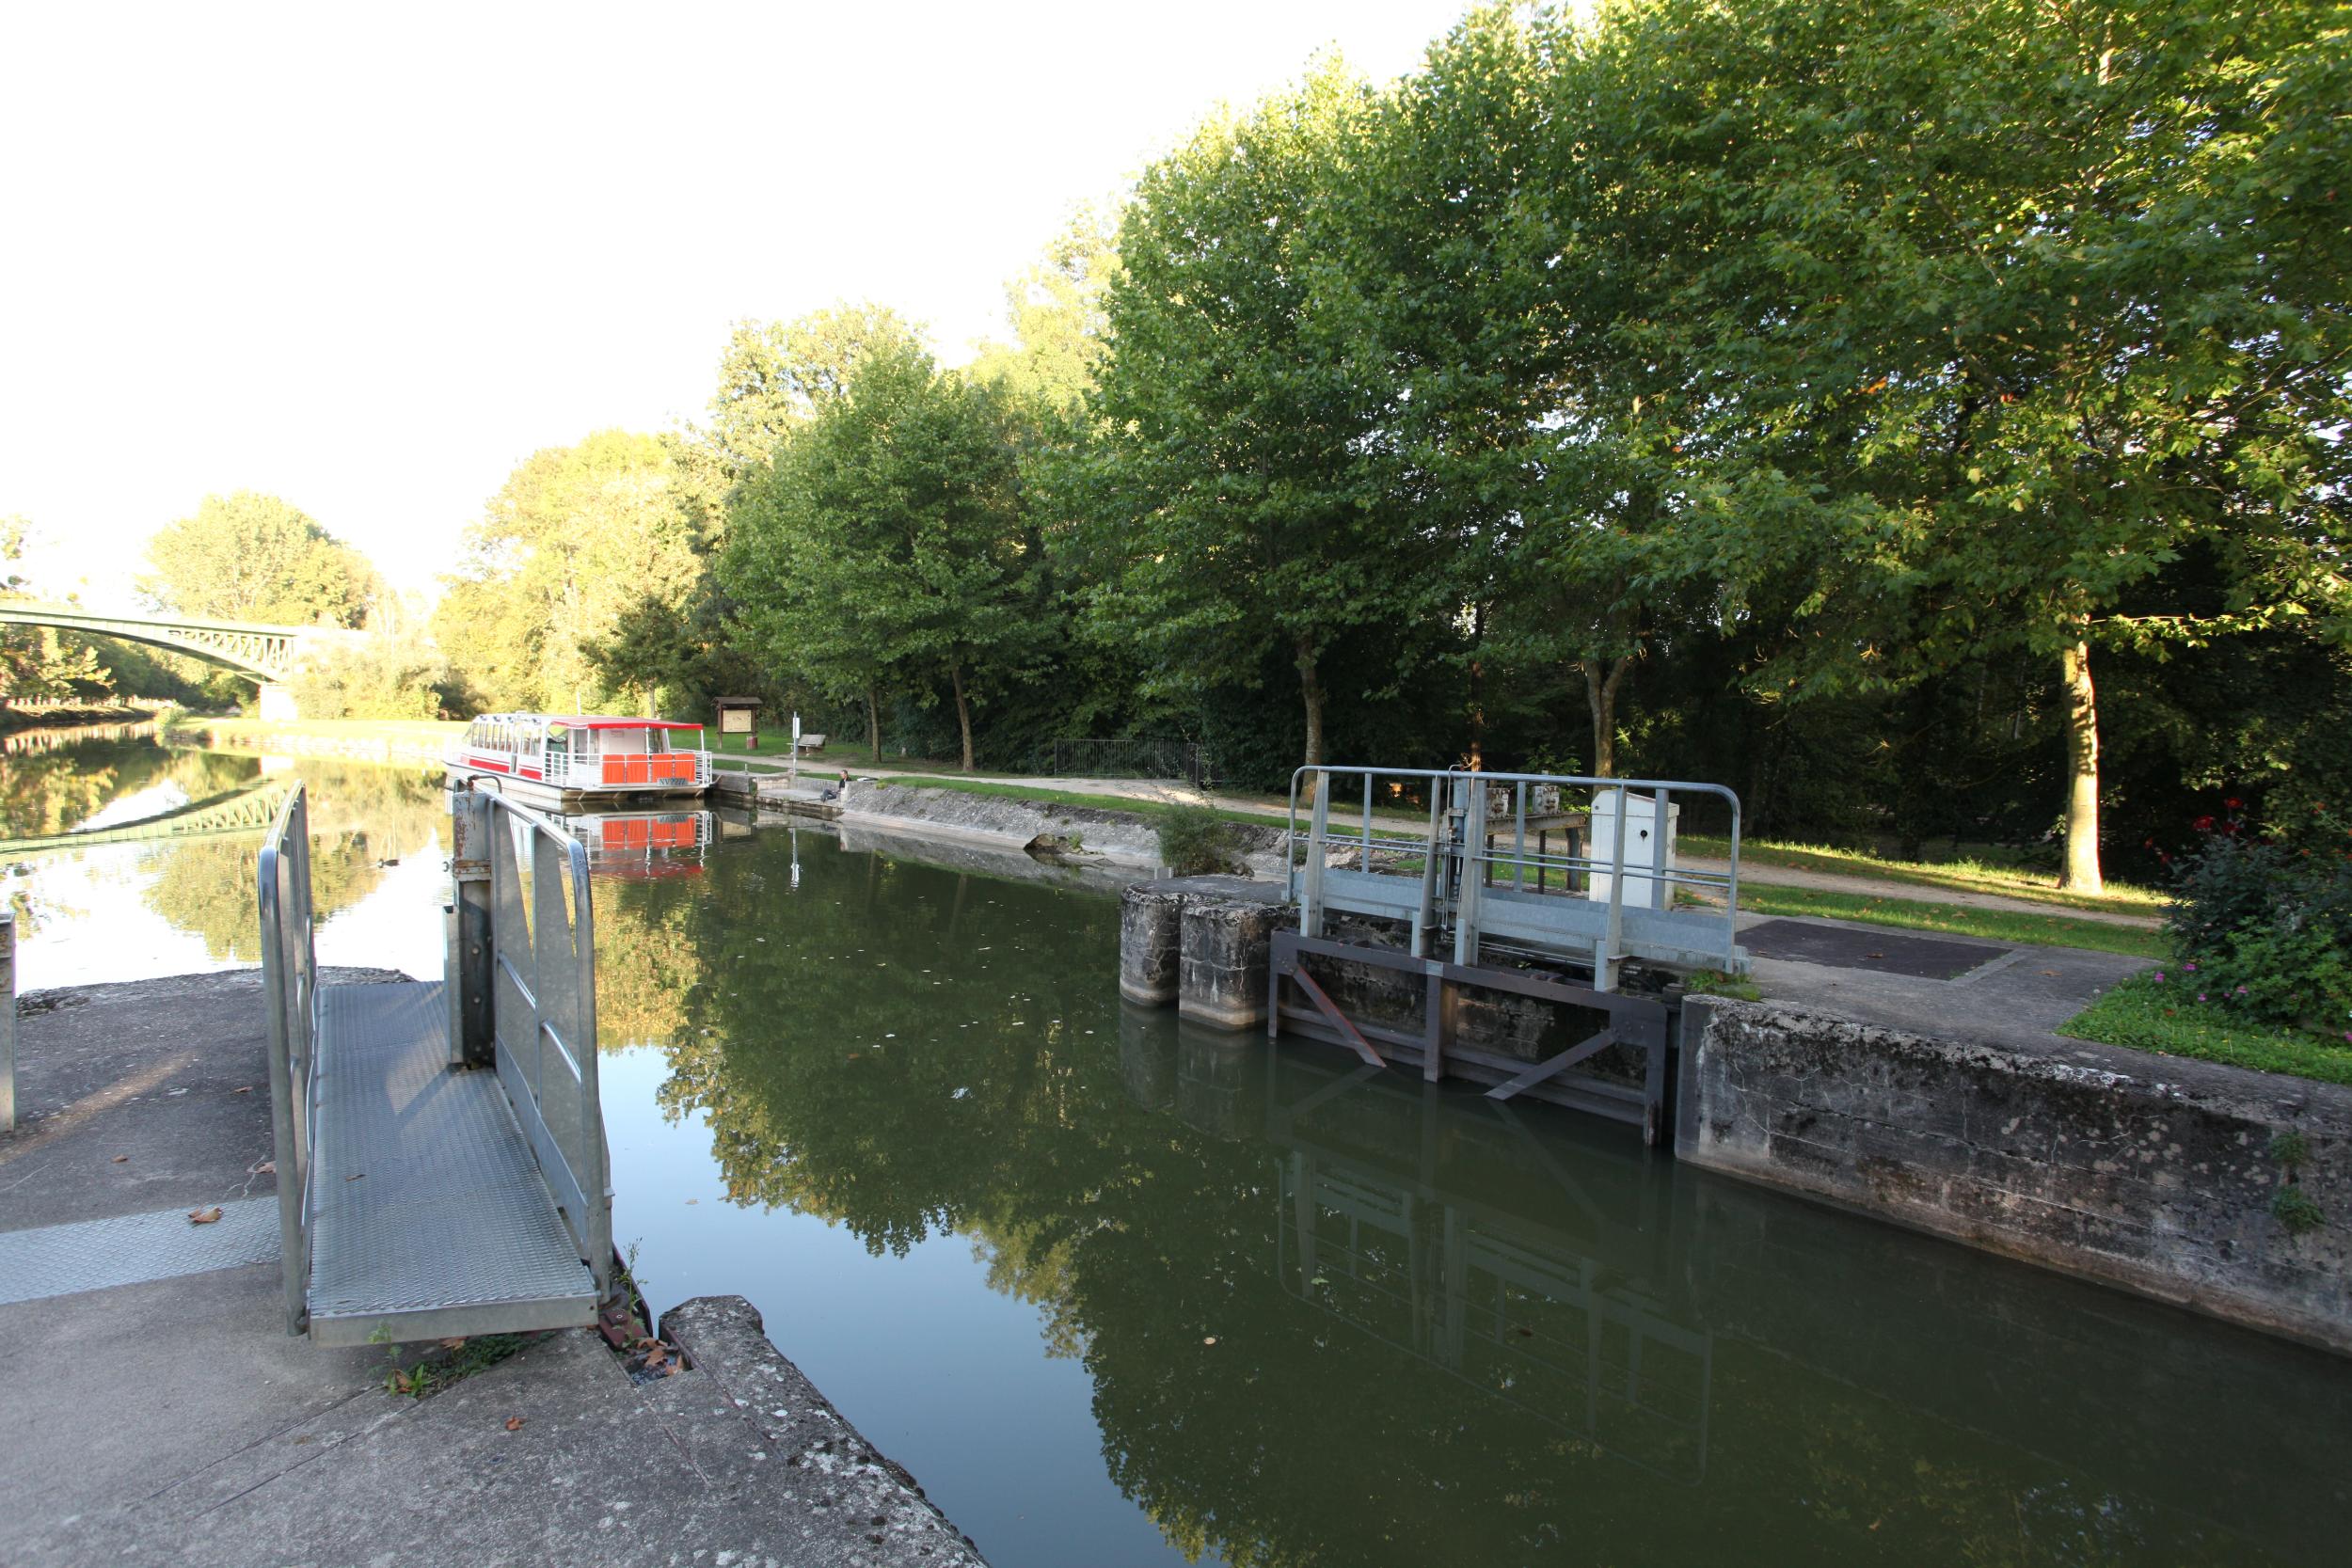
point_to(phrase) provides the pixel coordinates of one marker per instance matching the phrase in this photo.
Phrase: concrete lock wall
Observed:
(1202, 943)
(2158, 1174)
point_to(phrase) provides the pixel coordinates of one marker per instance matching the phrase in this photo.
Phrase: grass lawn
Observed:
(364, 729)
(1954, 875)
(2149, 1014)
(2051, 930)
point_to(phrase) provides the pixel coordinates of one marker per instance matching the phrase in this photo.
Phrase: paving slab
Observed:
(172, 1420)
(1880, 951)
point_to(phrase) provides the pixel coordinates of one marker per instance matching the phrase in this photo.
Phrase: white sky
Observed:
(368, 259)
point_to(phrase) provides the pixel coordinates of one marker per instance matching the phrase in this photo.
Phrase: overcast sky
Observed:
(368, 258)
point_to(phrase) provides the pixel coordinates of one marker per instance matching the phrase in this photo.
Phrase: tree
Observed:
(774, 375)
(577, 538)
(884, 540)
(35, 661)
(1229, 492)
(251, 557)
(1059, 327)
(2002, 371)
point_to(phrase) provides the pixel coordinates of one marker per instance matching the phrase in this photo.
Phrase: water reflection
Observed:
(1330, 1317)
(1315, 1315)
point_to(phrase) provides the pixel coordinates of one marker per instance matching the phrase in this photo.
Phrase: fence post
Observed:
(467, 979)
(8, 1023)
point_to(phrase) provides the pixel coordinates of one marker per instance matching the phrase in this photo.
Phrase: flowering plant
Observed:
(2263, 923)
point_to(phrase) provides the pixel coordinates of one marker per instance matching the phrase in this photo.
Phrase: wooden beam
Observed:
(1553, 1064)
(1339, 1020)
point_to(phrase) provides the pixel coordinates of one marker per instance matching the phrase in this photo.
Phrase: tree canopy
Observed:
(250, 557)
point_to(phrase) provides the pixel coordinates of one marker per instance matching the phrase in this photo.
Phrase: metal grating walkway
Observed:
(127, 1249)
(429, 1216)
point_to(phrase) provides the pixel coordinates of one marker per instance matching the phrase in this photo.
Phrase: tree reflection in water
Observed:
(1330, 1317)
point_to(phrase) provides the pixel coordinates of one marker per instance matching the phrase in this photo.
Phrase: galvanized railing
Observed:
(290, 985)
(8, 1019)
(1460, 872)
(522, 996)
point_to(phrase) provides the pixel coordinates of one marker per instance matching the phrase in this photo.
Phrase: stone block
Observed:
(1223, 967)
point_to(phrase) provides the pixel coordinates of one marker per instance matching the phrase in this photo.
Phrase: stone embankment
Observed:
(1008, 822)
(2159, 1174)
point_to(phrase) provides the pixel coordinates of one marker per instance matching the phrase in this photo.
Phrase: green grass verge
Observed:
(2149, 1014)
(322, 729)
(1955, 876)
(2048, 930)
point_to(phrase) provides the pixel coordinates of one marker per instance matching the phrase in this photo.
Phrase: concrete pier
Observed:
(1201, 943)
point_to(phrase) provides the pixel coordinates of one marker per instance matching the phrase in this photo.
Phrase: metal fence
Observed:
(289, 985)
(8, 1020)
(522, 995)
(1477, 866)
(1125, 759)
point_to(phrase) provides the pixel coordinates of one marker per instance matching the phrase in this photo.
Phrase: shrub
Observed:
(2264, 923)
(1195, 839)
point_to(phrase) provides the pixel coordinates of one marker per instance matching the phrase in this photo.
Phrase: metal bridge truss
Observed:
(262, 653)
(247, 811)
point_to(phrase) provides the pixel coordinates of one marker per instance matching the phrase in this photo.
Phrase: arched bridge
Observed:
(242, 810)
(263, 653)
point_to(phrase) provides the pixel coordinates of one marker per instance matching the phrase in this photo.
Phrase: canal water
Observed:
(1119, 1291)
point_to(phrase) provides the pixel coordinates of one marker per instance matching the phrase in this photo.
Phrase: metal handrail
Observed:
(523, 998)
(8, 1020)
(290, 985)
(1460, 859)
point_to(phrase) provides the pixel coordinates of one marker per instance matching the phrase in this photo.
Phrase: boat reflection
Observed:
(639, 845)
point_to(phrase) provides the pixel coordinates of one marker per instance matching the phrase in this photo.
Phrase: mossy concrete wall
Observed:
(2154, 1173)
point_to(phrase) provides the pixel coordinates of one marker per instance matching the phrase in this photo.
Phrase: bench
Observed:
(811, 743)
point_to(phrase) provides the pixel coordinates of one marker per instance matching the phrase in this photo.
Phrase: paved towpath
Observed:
(1770, 875)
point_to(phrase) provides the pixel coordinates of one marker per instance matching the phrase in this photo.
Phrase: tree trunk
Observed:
(1600, 692)
(1478, 691)
(873, 722)
(1310, 692)
(2082, 773)
(963, 711)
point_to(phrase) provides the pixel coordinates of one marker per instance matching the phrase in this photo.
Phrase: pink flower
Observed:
(2200, 996)
(2192, 966)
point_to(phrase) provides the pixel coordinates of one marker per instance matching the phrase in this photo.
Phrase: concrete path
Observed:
(1884, 887)
(170, 1419)
(1859, 885)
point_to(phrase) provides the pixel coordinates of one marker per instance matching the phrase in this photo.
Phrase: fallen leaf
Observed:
(267, 1167)
(1209, 1341)
(361, 1176)
(120, 1158)
(204, 1216)
(458, 1343)
(247, 1090)
(514, 1423)
(2053, 974)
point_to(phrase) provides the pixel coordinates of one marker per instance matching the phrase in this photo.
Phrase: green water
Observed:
(1121, 1290)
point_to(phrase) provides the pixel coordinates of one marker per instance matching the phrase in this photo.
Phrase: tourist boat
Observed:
(571, 761)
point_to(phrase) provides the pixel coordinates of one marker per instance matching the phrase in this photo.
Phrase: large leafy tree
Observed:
(2017, 312)
(884, 541)
(35, 661)
(251, 557)
(1231, 492)
(577, 541)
